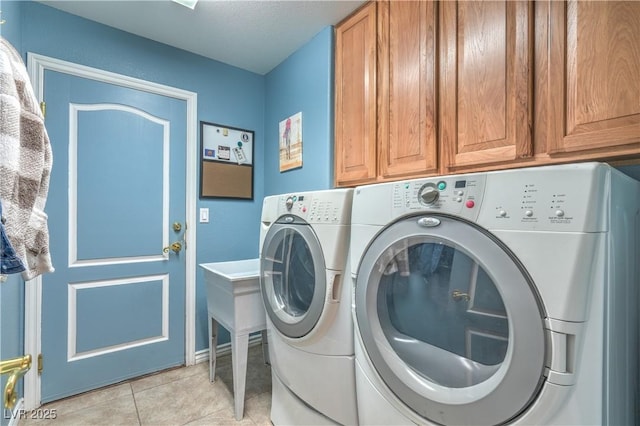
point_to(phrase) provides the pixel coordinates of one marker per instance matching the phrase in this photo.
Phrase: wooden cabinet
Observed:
(355, 148)
(440, 87)
(593, 97)
(386, 93)
(407, 89)
(486, 51)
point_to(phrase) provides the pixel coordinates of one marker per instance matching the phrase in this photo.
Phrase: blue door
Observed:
(11, 333)
(115, 306)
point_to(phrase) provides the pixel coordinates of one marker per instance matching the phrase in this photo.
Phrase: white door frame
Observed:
(37, 64)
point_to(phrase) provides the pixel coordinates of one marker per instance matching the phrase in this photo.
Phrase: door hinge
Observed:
(40, 364)
(43, 108)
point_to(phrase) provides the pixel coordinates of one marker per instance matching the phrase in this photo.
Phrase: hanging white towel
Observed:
(395, 259)
(25, 165)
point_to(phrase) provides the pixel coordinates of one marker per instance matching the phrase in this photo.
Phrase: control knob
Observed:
(428, 194)
(289, 203)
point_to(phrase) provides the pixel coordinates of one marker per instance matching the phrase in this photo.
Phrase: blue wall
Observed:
(303, 82)
(226, 95)
(11, 27)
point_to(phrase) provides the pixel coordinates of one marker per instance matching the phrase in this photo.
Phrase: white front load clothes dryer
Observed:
(303, 265)
(504, 297)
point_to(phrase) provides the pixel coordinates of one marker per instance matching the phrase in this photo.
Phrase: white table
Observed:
(234, 301)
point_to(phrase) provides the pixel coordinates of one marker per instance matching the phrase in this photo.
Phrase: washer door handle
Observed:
(336, 285)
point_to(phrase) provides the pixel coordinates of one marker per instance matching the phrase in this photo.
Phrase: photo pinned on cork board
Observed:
(290, 137)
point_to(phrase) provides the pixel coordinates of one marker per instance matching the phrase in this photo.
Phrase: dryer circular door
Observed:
(451, 321)
(293, 281)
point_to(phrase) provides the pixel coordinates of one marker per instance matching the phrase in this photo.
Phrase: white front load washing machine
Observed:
(306, 290)
(504, 297)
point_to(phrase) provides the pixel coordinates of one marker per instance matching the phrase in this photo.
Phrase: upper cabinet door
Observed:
(355, 77)
(594, 76)
(407, 33)
(486, 82)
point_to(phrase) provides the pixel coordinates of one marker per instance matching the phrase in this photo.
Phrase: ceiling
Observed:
(250, 34)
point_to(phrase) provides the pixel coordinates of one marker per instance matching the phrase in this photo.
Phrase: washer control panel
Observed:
(326, 208)
(459, 195)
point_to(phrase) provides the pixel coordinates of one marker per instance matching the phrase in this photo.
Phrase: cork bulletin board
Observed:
(226, 165)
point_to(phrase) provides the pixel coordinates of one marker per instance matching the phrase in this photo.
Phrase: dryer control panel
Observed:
(564, 198)
(458, 195)
(567, 198)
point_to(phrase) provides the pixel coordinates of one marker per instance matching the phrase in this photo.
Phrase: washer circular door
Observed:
(293, 280)
(451, 321)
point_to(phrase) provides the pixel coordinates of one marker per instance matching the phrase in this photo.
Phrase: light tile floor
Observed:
(181, 396)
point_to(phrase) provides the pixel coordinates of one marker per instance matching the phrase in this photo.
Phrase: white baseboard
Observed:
(225, 348)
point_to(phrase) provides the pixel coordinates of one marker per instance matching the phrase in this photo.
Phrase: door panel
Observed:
(96, 220)
(485, 82)
(115, 306)
(355, 99)
(142, 305)
(407, 88)
(594, 63)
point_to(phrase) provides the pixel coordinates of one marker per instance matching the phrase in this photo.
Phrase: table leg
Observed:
(213, 346)
(265, 348)
(239, 355)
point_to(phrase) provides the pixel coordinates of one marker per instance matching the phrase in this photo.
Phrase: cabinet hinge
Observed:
(43, 108)
(40, 364)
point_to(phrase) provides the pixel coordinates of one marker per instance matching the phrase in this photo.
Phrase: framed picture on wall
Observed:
(290, 145)
(226, 166)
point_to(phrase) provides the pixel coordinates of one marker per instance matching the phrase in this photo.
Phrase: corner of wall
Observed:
(302, 83)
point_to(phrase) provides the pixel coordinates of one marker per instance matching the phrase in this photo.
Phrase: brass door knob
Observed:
(458, 295)
(176, 247)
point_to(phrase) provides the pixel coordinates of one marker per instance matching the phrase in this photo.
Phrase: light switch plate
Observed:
(204, 215)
